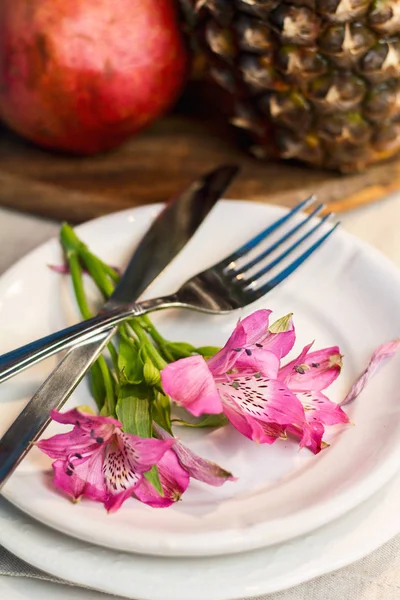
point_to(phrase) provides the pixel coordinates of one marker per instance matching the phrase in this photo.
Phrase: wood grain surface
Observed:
(158, 162)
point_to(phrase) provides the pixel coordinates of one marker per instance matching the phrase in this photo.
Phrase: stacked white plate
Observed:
(291, 515)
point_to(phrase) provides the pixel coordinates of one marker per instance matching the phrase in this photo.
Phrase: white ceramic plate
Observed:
(251, 574)
(347, 294)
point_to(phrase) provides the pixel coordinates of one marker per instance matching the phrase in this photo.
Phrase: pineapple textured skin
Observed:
(311, 80)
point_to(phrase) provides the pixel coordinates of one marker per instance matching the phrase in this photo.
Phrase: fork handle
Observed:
(17, 360)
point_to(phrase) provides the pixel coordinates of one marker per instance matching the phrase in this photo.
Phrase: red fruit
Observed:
(83, 75)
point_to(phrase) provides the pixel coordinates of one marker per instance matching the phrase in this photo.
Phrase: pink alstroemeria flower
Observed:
(263, 400)
(242, 381)
(306, 376)
(175, 469)
(98, 460)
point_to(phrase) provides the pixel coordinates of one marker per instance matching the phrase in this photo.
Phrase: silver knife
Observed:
(167, 235)
(155, 249)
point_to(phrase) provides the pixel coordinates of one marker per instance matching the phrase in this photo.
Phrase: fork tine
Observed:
(258, 292)
(263, 234)
(283, 254)
(279, 242)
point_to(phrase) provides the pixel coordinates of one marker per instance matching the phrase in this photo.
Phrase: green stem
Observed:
(144, 341)
(111, 272)
(95, 268)
(94, 265)
(151, 330)
(77, 281)
(161, 342)
(109, 402)
(99, 271)
(114, 356)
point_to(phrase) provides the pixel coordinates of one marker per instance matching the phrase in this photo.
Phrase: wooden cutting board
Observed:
(158, 162)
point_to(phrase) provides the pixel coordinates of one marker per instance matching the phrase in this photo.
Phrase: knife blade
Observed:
(180, 220)
(167, 235)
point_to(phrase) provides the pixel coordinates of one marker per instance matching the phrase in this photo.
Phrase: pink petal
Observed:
(256, 326)
(147, 493)
(64, 444)
(312, 370)
(89, 431)
(190, 383)
(92, 471)
(286, 372)
(174, 480)
(258, 361)
(246, 334)
(81, 477)
(310, 435)
(125, 462)
(143, 453)
(84, 420)
(113, 502)
(250, 427)
(253, 347)
(240, 421)
(224, 360)
(197, 467)
(381, 354)
(73, 486)
(62, 269)
(319, 408)
(281, 342)
(266, 433)
(265, 399)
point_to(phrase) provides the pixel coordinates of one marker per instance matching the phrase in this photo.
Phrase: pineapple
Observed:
(311, 80)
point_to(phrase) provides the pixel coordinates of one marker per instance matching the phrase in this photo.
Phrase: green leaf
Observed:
(162, 411)
(130, 364)
(204, 421)
(135, 414)
(207, 351)
(281, 324)
(153, 477)
(134, 411)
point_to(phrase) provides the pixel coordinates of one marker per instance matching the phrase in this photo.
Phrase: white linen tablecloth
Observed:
(376, 577)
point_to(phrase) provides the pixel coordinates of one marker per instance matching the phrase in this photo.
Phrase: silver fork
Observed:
(220, 289)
